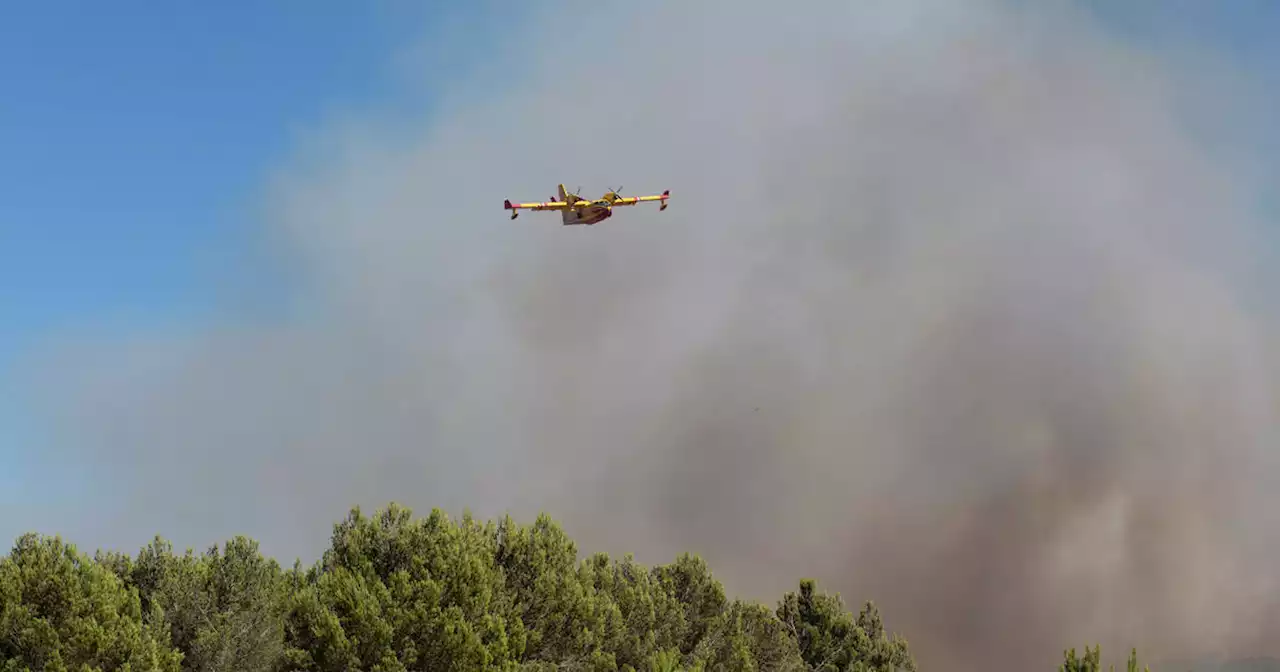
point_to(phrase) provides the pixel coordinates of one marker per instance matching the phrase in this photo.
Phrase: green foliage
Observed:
(395, 593)
(831, 640)
(701, 597)
(222, 609)
(747, 637)
(61, 610)
(1092, 661)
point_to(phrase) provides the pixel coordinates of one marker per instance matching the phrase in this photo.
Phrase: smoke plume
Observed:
(953, 309)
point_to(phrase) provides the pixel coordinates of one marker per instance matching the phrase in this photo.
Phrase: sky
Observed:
(252, 272)
(136, 143)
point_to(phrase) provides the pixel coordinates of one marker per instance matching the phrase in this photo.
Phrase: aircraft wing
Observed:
(633, 200)
(554, 205)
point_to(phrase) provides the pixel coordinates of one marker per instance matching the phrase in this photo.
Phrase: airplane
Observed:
(576, 210)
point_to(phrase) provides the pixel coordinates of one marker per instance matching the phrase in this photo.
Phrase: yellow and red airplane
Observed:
(576, 210)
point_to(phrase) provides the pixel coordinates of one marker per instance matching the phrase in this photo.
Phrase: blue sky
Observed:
(136, 134)
(134, 138)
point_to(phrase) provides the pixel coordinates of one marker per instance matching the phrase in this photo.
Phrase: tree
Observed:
(831, 640)
(60, 610)
(394, 593)
(748, 637)
(701, 596)
(224, 609)
(1092, 661)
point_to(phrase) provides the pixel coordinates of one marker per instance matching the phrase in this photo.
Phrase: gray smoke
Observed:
(953, 309)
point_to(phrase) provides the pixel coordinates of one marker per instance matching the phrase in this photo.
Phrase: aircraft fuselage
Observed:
(598, 211)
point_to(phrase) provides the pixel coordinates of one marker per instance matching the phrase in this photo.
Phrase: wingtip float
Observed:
(577, 210)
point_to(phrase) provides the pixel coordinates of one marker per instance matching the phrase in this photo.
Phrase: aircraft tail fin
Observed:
(568, 214)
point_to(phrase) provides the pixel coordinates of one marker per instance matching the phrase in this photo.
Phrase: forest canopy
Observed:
(397, 593)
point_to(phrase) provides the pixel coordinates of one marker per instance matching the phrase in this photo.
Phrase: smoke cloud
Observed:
(952, 310)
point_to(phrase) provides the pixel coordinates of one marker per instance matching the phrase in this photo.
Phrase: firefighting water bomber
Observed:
(577, 210)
